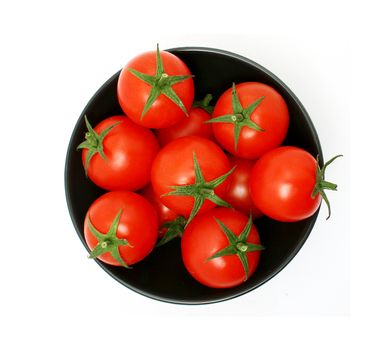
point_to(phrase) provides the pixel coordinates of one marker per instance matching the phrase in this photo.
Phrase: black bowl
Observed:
(162, 275)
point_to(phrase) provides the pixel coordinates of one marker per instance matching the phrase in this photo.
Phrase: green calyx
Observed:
(161, 83)
(238, 245)
(321, 185)
(240, 117)
(174, 229)
(204, 104)
(108, 243)
(200, 190)
(94, 143)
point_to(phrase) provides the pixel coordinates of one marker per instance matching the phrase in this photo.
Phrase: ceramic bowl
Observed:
(162, 275)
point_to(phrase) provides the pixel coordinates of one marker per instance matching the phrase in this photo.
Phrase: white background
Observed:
(55, 55)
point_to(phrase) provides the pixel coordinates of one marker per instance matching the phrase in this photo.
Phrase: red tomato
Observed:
(125, 159)
(271, 115)
(238, 195)
(283, 182)
(125, 239)
(205, 237)
(174, 167)
(192, 125)
(163, 213)
(170, 96)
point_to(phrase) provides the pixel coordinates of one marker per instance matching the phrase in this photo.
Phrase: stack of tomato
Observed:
(174, 167)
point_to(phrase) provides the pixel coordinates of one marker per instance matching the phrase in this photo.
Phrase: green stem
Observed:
(242, 247)
(204, 104)
(206, 100)
(328, 185)
(237, 118)
(201, 190)
(240, 116)
(174, 228)
(162, 80)
(161, 83)
(108, 242)
(321, 184)
(94, 143)
(238, 245)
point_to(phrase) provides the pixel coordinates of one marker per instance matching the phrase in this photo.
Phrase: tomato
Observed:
(164, 214)
(238, 195)
(120, 228)
(189, 175)
(250, 119)
(193, 125)
(221, 248)
(155, 89)
(287, 184)
(118, 154)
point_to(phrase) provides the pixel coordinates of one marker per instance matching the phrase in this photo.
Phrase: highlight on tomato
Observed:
(238, 194)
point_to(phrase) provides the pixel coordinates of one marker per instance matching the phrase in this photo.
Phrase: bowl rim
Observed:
(281, 266)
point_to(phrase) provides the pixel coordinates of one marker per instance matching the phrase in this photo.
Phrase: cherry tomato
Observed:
(287, 184)
(238, 195)
(118, 154)
(155, 89)
(221, 248)
(189, 175)
(250, 119)
(120, 228)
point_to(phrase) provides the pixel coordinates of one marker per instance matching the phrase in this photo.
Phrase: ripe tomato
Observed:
(189, 175)
(221, 248)
(238, 195)
(287, 184)
(120, 228)
(118, 154)
(155, 89)
(164, 214)
(250, 119)
(193, 125)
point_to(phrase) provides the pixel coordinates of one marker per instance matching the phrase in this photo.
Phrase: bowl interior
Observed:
(162, 275)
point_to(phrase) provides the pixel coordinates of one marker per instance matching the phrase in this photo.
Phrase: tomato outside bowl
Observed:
(162, 275)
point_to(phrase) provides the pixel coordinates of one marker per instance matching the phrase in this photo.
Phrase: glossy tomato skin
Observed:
(282, 182)
(133, 93)
(271, 115)
(137, 224)
(194, 124)
(203, 237)
(238, 194)
(129, 149)
(164, 214)
(173, 166)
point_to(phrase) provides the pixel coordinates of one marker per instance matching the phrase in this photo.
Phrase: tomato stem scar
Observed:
(201, 190)
(241, 116)
(238, 245)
